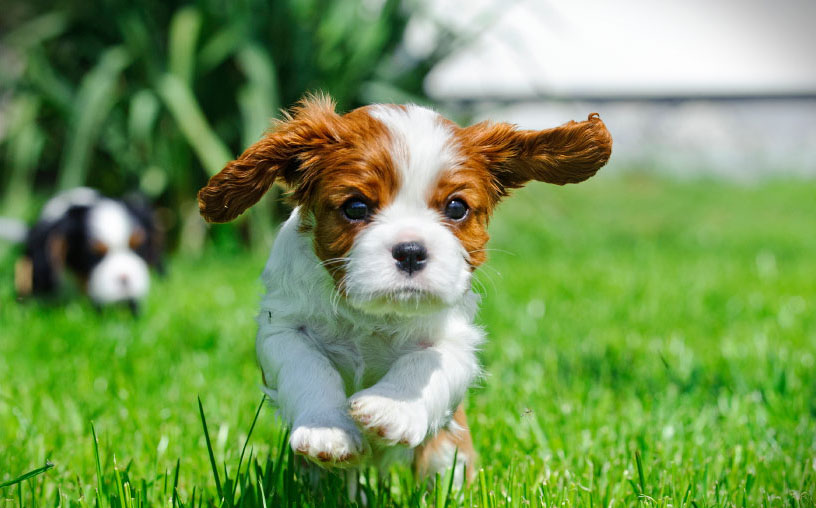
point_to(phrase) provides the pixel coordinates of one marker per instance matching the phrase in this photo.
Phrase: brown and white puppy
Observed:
(366, 338)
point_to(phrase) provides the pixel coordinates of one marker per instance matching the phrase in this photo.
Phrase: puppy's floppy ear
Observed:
(279, 155)
(570, 153)
(40, 270)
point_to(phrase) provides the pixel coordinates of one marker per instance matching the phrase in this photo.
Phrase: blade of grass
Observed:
(25, 476)
(37, 30)
(94, 99)
(143, 112)
(118, 479)
(179, 99)
(641, 476)
(184, 29)
(219, 47)
(54, 88)
(128, 495)
(25, 141)
(174, 498)
(483, 488)
(263, 493)
(246, 442)
(99, 484)
(210, 451)
(450, 479)
(259, 98)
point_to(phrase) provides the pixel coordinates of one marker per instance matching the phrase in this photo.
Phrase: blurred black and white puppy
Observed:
(107, 244)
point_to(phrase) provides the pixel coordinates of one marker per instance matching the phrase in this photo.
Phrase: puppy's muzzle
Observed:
(411, 256)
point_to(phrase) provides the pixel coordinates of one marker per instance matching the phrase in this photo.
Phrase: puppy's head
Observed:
(108, 244)
(114, 250)
(397, 198)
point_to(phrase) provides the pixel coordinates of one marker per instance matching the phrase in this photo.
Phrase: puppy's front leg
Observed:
(418, 394)
(311, 398)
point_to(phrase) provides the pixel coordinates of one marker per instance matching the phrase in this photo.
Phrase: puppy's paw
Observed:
(328, 445)
(393, 421)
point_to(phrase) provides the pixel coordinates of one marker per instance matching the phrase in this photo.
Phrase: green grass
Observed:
(651, 342)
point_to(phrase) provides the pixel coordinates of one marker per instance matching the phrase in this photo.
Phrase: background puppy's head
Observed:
(397, 198)
(108, 244)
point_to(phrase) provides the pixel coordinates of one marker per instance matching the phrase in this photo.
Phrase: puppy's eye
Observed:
(456, 209)
(355, 209)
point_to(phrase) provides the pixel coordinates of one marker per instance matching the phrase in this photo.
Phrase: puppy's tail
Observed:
(12, 230)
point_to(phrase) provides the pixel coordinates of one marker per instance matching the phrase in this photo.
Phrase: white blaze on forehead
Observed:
(422, 148)
(110, 223)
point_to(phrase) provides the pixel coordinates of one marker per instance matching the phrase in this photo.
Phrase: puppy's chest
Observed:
(363, 359)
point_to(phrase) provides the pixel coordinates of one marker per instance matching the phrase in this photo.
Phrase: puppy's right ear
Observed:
(279, 155)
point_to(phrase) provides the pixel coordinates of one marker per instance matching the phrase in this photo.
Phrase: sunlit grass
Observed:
(651, 343)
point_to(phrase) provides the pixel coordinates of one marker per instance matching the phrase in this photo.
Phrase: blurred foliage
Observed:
(158, 95)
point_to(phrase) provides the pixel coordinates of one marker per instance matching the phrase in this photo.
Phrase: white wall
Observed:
(602, 47)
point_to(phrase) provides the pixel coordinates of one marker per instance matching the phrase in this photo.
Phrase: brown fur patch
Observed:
(472, 184)
(24, 276)
(461, 439)
(570, 153)
(359, 167)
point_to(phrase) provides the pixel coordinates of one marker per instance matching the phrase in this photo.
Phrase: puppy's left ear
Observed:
(570, 153)
(283, 154)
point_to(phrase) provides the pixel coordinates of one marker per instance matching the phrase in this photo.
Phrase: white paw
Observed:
(327, 445)
(393, 421)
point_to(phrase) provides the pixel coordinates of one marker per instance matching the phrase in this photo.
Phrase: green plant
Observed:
(158, 95)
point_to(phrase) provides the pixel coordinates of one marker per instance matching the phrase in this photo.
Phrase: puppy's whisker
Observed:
(489, 274)
(485, 268)
(478, 285)
(492, 250)
(337, 294)
(334, 261)
(477, 277)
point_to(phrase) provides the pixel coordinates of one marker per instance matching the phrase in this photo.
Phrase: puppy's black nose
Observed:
(410, 256)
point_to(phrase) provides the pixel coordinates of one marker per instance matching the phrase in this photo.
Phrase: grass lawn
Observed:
(651, 342)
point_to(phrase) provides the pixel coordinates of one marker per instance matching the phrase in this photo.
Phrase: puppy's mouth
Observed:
(411, 296)
(408, 292)
(403, 300)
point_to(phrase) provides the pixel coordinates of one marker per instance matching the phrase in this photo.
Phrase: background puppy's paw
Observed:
(327, 446)
(393, 421)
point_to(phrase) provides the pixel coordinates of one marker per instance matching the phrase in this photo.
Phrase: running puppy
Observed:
(366, 338)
